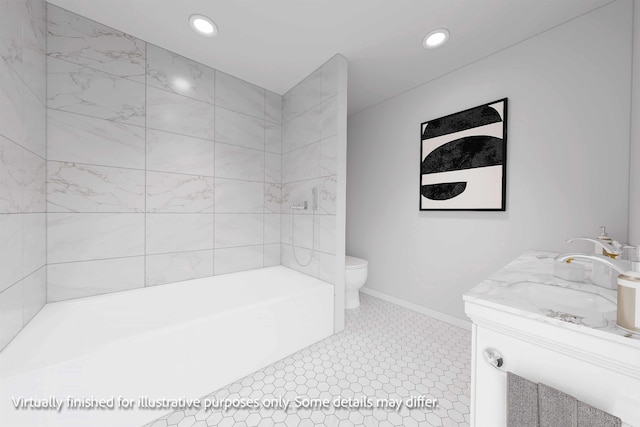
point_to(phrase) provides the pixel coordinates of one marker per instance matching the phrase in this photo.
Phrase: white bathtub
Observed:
(182, 340)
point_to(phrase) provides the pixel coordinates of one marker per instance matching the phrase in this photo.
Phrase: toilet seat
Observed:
(353, 263)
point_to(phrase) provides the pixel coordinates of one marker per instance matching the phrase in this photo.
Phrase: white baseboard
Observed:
(461, 323)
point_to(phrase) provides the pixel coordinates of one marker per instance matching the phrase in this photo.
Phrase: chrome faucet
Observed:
(619, 265)
(609, 250)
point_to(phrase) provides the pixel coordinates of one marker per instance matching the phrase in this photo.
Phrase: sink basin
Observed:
(567, 304)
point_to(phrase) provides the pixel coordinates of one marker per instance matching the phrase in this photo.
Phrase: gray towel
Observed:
(556, 409)
(522, 402)
(588, 416)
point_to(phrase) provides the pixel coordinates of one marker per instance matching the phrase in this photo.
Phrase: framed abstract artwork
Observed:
(463, 160)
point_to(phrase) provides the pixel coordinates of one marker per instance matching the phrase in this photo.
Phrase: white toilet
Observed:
(354, 278)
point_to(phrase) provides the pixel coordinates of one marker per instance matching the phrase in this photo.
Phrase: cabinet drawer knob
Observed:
(493, 357)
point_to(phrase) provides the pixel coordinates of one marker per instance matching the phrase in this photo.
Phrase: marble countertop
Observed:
(504, 291)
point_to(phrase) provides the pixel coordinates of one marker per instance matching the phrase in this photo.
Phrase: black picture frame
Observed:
(463, 160)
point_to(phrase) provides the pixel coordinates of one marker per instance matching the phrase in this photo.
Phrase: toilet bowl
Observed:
(355, 276)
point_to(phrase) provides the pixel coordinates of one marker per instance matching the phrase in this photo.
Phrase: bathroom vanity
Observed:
(550, 331)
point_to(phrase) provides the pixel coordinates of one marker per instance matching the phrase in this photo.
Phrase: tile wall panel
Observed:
(174, 232)
(34, 293)
(236, 196)
(10, 249)
(240, 96)
(233, 230)
(34, 242)
(11, 305)
(174, 73)
(76, 39)
(240, 163)
(87, 236)
(22, 164)
(309, 168)
(231, 260)
(83, 279)
(180, 114)
(177, 266)
(11, 176)
(160, 169)
(83, 90)
(11, 87)
(239, 129)
(77, 187)
(152, 157)
(171, 152)
(177, 193)
(78, 138)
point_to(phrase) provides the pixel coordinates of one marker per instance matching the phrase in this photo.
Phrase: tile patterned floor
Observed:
(385, 352)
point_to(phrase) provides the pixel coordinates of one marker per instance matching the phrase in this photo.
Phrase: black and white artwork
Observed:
(463, 160)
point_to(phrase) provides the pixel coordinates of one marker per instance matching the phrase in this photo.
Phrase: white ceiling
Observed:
(276, 43)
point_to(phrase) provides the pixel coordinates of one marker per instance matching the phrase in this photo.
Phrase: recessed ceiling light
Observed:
(203, 25)
(436, 38)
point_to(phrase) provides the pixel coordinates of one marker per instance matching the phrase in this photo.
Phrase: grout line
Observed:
(23, 278)
(264, 169)
(137, 213)
(145, 169)
(23, 213)
(630, 198)
(118, 122)
(242, 113)
(46, 155)
(130, 78)
(213, 103)
(157, 213)
(242, 180)
(23, 82)
(142, 255)
(199, 138)
(310, 179)
(316, 251)
(281, 185)
(146, 190)
(316, 141)
(213, 214)
(25, 148)
(164, 172)
(98, 165)
(286, 122)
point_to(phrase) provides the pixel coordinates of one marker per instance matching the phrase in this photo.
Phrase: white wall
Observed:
(567, 167)
(634, 173)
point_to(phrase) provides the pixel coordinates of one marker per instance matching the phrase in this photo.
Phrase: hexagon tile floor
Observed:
(386, 353)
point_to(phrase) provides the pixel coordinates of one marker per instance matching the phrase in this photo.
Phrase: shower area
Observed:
(147, 199)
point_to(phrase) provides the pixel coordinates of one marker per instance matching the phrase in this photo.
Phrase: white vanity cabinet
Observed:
(599, 366)
(599, 372)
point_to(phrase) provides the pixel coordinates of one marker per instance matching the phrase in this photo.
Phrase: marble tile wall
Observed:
(160, 169)
(22, 164)
(125, 165)
(309, 163)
